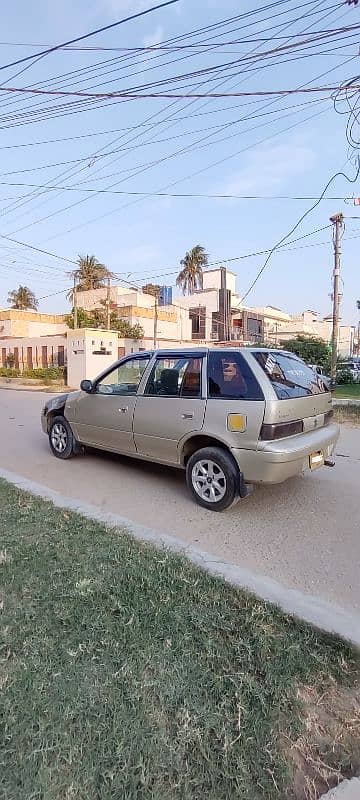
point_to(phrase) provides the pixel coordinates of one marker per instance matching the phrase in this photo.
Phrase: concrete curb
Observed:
(347, 790)
(324, 615)
(38, 388)
(344, 402)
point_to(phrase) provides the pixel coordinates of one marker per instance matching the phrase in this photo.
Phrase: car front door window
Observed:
(124, 379)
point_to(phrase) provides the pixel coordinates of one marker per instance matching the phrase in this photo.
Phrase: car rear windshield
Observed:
(290, 376)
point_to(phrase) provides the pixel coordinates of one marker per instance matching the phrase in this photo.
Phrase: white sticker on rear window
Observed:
(297, 373)
(270, 364)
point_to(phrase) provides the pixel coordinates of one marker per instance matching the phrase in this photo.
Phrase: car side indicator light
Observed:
(236, 423)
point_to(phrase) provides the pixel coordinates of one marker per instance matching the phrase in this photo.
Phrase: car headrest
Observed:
(170, 381)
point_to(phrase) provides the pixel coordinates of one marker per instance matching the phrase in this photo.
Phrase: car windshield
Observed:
(290, 376)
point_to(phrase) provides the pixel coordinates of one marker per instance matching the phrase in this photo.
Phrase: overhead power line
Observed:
(87, 35)
(38, 249)
(187, 195)
(125, 95)
(282, 26)
(207, 95)
(300, 220)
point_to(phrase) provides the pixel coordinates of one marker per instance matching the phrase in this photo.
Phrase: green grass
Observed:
(351, 390)
(128, 674)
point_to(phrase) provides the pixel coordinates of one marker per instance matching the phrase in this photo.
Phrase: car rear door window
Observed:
(231, 378)
(175, 377)
(289, 375)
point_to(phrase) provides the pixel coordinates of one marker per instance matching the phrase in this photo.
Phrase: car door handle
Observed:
(124, 409)
(187, 416)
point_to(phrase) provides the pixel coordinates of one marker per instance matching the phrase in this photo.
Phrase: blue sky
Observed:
(292, 151)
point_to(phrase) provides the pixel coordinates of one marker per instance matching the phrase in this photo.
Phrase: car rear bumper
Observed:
(275, 462)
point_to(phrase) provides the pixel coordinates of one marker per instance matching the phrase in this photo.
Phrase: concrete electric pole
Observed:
(156, 321)
(108, 303)
(338, 222)
(75, 304)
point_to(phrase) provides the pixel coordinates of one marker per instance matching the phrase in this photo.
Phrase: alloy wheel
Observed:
(208, 480)
(59, 437)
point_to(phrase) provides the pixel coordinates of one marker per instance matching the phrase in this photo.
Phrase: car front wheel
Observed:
(61, 438)
(213, 478)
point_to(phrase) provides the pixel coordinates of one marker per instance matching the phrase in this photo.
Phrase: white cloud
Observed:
(270, 168)
(154, 38)
(118, 8)
(122, 7)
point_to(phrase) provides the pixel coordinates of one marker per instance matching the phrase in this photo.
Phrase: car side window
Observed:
(124, 379)
(175, 377)
(230, 377)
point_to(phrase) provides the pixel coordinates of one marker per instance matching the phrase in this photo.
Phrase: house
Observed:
(32, 339)
(138, 308)
(216, 312)
(279, 327)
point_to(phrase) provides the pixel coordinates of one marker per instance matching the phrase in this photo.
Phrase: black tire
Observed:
(223, 487)
(61, 438)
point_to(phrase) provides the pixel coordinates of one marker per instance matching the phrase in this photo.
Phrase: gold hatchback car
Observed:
(229, 417)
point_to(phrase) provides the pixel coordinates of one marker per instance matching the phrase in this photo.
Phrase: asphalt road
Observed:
(304, 533)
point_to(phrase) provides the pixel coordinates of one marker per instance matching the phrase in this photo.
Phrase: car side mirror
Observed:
(87, 386)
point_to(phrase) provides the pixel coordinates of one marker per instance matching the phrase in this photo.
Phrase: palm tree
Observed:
(23, 299)
(191, 276)
(89, 274)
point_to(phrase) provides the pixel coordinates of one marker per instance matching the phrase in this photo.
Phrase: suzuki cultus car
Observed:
(229, 417)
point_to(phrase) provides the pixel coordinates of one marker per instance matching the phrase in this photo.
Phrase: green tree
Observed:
(84, 319)
(311, 349)
(97, 319)
(152, 288)
(23, 299)
(190, 277)
(89, 274)
(125, 329)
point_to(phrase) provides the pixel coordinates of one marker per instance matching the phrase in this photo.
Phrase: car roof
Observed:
(223, 349)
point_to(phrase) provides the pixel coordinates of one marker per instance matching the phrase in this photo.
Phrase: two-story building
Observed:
(217, 314)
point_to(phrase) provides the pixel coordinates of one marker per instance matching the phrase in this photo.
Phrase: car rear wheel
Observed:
(61, 438)
(212, 478)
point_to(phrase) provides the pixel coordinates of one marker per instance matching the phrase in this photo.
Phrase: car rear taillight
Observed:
(279, 430)
(328, 417)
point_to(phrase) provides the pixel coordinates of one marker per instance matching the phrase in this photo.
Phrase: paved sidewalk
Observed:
(348, 790)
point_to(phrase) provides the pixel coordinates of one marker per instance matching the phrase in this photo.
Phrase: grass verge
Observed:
(348, 391)
(127, 673)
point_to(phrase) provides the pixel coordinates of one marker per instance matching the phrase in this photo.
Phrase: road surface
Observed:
(304, 533)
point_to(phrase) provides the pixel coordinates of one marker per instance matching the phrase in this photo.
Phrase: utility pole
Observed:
(224, 307)
(156, 321)
(75, 304)
(338, 222)
(108, 305)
